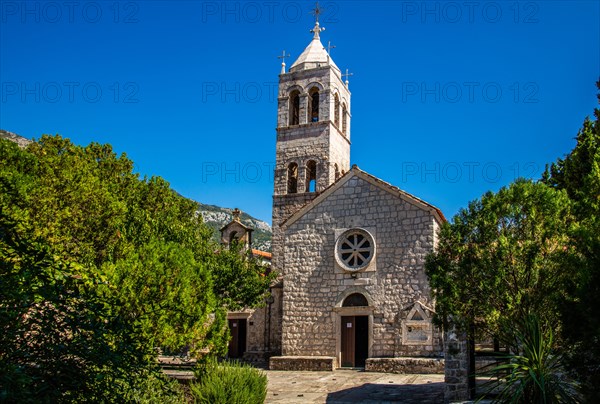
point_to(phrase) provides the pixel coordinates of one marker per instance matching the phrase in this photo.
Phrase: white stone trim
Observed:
(239, 315)
(424, 324)
(336, 316)
(370, 261)
(349, 291)
(312, 84)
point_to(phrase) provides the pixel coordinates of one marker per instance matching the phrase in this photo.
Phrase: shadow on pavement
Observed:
(392, 393)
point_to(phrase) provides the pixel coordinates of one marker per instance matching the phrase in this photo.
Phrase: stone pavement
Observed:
(353, 386)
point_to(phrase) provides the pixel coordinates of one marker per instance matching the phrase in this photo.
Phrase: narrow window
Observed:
(294, 108)
(344, 113)
(292, 184)
(337, 172)
(311, 176)
(233, 238)
(336, 111)
(314, 105)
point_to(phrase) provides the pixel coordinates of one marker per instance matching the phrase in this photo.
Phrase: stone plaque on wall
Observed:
(416, 328)
(417, 333)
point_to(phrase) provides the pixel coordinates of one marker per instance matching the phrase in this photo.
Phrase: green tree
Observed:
(123, 265)
(532, 248)
(501, 258)
(579, 174)
(59, 342)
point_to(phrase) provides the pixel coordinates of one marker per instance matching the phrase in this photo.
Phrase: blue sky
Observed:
(449, 99)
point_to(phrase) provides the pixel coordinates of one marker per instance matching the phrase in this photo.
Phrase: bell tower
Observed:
(313, 132)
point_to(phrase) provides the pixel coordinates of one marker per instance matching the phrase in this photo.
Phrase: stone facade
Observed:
(394, 283)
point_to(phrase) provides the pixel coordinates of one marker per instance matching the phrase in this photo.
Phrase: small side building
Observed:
(255, 333)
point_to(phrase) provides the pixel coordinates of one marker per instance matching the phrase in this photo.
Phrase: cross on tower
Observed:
(329, 47)
(282, 57)
(346, 75)
(317, 11)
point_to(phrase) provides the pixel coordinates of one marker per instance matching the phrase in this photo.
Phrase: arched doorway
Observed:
(354, 333)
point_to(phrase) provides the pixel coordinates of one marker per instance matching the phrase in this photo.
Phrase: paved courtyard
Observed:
(353, 386)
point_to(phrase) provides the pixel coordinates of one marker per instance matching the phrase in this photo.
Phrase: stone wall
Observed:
(302, 363)
(405, 365)
(263, 331)
(457, 365)
(318, 142)
(283, 207)
(315, 284)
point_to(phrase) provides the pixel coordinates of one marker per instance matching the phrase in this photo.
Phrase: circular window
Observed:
(354, 249)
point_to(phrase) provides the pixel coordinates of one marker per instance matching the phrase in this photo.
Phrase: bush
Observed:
(150, 388)
(229, 382)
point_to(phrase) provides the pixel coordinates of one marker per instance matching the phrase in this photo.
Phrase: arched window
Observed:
(355, 300)
(336, 111)
(313, 96)
(344, 118)
(294, 107)
(292, 180)
(337, 171)
(311, 176)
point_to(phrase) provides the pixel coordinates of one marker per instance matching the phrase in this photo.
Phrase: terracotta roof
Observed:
(263, 254)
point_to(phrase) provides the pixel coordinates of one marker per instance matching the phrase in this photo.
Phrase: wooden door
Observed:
(355, 341)
(361, 340)
(348, 340)
(237, 343)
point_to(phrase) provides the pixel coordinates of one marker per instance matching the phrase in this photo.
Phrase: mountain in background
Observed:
(20, 140)
(214, 216)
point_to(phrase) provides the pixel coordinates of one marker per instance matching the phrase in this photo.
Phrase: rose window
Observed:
(355, 249)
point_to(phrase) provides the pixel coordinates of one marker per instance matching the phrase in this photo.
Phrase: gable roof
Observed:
(358, 173)
(242, 225)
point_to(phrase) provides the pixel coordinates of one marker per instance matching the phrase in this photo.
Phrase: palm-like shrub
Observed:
(536, 374)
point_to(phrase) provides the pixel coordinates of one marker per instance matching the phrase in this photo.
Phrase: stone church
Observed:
(350, 248)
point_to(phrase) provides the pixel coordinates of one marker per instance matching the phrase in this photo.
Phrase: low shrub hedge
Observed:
(229, 383)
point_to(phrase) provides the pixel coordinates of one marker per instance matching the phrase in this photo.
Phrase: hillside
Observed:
(214, 216)
(20, 140)
(217, 217)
